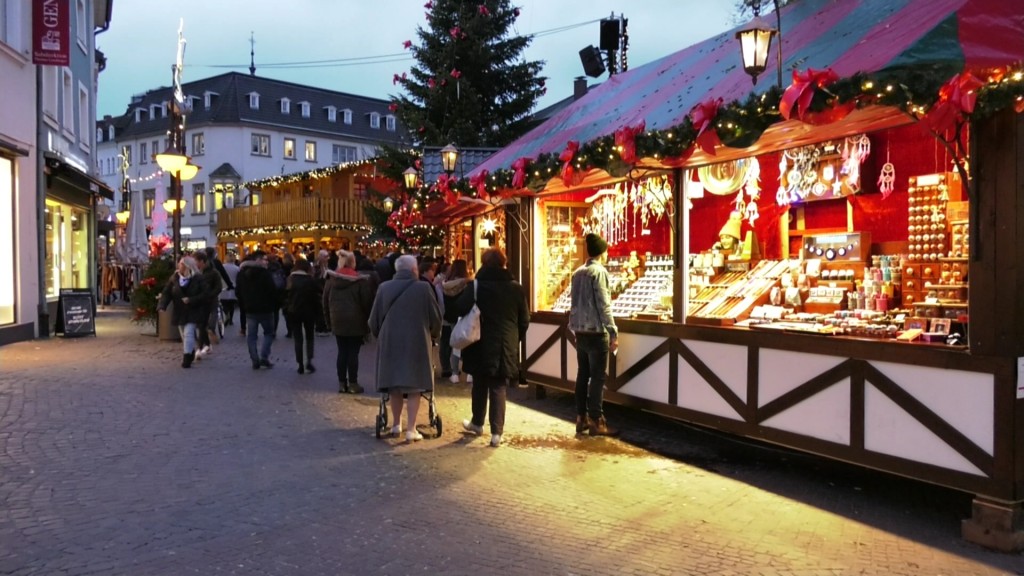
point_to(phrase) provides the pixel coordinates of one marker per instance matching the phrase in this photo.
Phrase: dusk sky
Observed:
(366, 37)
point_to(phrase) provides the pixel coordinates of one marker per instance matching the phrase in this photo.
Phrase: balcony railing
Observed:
(326, 211)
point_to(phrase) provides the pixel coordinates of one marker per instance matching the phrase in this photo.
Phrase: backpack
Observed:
(279, 277)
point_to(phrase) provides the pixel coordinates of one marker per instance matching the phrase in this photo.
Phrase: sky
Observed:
(141, 42)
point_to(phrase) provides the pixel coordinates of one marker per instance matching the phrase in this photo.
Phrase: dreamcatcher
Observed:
(887, 178)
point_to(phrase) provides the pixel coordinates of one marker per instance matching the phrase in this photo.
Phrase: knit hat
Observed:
(595, 245)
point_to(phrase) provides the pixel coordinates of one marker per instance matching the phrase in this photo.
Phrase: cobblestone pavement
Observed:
(114, 460)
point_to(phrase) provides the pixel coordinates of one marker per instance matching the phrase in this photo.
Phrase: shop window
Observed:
(66, 248)
(8, 240)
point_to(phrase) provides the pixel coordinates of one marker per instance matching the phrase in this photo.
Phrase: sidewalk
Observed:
(114, 460)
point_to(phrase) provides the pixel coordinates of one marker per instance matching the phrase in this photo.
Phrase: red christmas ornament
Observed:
(800, 93)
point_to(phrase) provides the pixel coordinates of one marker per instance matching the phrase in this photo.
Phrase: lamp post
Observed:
(756, 41)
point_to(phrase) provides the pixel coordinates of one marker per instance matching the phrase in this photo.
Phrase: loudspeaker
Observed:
(593, 65)
(610, 32)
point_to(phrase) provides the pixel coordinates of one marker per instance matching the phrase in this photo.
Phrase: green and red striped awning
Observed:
(937, 37)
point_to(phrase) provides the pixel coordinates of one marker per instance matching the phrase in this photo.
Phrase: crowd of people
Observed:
(410, 305)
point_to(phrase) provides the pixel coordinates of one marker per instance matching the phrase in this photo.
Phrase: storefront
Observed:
(830, 283)
(8, 246)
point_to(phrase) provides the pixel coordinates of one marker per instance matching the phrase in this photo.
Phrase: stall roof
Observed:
(848, 36)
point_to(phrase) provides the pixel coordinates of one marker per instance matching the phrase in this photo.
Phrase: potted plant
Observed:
(146, 295)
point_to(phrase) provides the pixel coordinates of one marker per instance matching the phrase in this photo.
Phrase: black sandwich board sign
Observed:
(76, 313)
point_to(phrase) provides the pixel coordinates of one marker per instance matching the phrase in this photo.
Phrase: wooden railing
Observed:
(338, 211)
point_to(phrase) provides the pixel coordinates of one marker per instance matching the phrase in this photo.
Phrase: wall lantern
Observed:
(449, 156)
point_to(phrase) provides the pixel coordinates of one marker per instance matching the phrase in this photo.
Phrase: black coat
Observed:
(504, 318)
(302, 297)
(196, 310)
(255, 289)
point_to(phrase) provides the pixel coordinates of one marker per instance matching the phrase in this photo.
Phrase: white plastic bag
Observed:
(467, 330)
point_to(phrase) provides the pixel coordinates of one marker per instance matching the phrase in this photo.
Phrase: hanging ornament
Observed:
(887, 178)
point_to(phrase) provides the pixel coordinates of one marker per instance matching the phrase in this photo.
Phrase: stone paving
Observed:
(114, 460)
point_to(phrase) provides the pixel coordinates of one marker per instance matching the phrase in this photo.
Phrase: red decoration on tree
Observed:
(479, 181)
(516, 12)
(483, 10)
(393, 107)
(407, 44)
(456, 74)
(455, 32)
(703, 116)
(569, 175)
(429, 5)
(625, 140)
(519, 172)
(956, 99)
(431, 84)
(800, 93)
(444, 186)
(396, 79)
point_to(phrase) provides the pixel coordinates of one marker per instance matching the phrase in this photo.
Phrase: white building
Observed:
(240, 128)
(48, 190)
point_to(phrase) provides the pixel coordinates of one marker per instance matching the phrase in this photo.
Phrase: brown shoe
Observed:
(582, 424)
(600, 427)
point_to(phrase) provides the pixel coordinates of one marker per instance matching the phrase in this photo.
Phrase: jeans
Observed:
(491, 388)
(592, 372)
(254, 322)
(188, 337)
(300, 327)
(348, 358)
(446, 349)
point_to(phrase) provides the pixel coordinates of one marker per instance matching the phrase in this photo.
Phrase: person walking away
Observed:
(346, 303)
(320, 270)
(302, 306)
(257, 295)
(405, 319)
(212, 284)
(590, 319)
(455, 282)
(228, 300)
(185, 289)
(494, 359)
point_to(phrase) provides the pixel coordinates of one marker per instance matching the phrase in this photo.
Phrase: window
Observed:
(4, 37)
(254, 100)
(50, 92)
(347, 114)
(261, 144)
(67, 122)
(143, 157)
(341, 154)
(310, 151)
(149, 201)
(99, 131)
(375, 120)
(127, 151)
(199, 198)
(289, 148)
(80, 23)
(332, 113)
(209, 98)
(390, 122)
(360, 191)
(83, 116)
(156, 147)
(286, 106)
(198, 144)
(139, 114)
(304, 108)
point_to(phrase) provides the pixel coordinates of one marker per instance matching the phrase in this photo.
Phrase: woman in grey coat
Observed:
(406, 320)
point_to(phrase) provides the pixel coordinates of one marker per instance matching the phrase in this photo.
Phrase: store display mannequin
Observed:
(729, 237)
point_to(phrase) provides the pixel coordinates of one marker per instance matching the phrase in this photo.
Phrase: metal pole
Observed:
(778, 23)
(177, 141)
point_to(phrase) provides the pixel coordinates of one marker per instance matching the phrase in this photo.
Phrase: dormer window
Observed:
(347, 116)
(152, 110)
(163, 108)
(99, 134)
(286, 106)
(332, 113)
(389, 122)
(209, 98)
(140, 115)
(304, 109)
(375, 120)
(110, 132)
(254, 100)
(190, 102)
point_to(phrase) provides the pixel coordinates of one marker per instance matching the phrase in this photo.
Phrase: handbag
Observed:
(467, 330)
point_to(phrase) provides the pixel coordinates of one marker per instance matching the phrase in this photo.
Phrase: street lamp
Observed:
(411, 176)
(389, 204)
(756, 42)
(449, 156)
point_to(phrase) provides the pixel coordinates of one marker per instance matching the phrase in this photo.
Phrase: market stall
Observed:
(832, 267)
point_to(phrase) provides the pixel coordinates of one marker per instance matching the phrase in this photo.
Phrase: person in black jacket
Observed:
(494, 359)
(258, 296)
(185, 288)
(301, 308)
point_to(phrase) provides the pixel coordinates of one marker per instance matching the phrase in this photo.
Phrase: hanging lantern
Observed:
(755, 43)
(449, 156)
(411, 176)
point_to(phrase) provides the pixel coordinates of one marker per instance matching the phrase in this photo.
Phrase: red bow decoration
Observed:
(703, 116)
(407, 44)
(956, 99)
(625, 140)
(569, 175)
(479, 181)
(393, 107)
(801, 91)
(519, 174)
(444, 185)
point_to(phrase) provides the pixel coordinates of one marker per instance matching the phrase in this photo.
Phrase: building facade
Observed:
(239, 128)
(49, 190)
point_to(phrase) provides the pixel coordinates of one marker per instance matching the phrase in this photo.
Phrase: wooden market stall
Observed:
(863, 304)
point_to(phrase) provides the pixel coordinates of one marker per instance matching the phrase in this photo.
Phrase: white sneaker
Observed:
(413, 436)
(468, 426)
(203, 351)
(495, 440)
(454, 379)
(396, 431)
(469, 378)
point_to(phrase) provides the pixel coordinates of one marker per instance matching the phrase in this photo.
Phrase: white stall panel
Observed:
(727, 361)
(890, 430)
(651, 384)
(826, 415)
(696, 394)
(537, 335)
(781, 371)
(633, 347)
